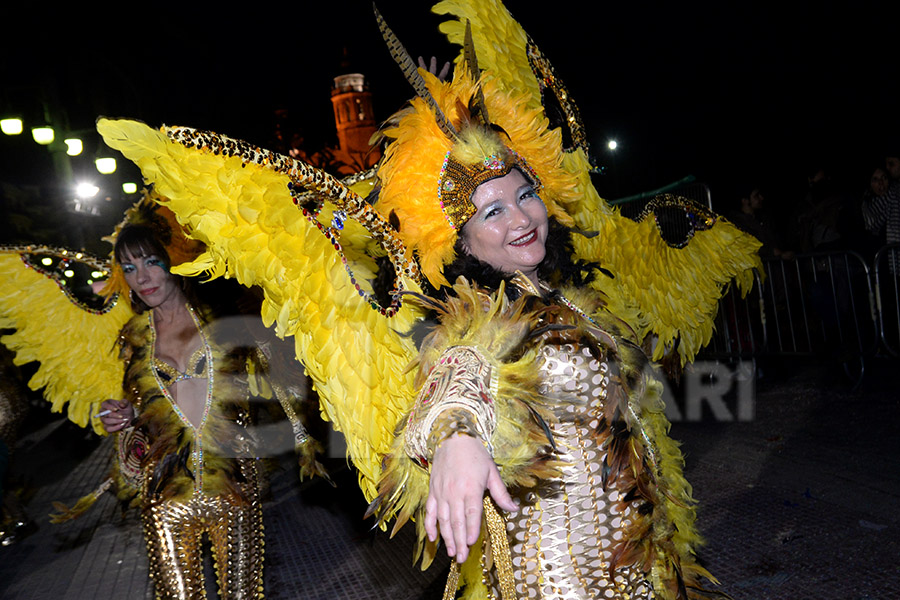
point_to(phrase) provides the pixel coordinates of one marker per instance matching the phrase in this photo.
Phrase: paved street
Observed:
(799, 502)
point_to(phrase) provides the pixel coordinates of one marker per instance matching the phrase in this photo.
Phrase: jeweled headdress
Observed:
(463, 171)
(455, 136)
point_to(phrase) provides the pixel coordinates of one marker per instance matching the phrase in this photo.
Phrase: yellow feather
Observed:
(79, 362)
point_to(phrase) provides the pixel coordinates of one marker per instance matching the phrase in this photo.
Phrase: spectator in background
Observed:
(881, 206)
(819, 218)
(892, 164)
(750, 219)
(853, 228)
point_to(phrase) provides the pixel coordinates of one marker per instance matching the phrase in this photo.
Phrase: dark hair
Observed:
(746, 190)
(139, 241)
(558, 267)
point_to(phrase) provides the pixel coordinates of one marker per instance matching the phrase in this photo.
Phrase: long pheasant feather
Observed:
(411, 72)
(479, 109)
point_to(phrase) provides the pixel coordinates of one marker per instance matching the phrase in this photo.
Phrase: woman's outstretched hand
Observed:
(461, 471)
(120, 414)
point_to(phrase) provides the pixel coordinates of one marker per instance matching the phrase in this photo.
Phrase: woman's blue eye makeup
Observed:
(149, 261)
(497, 207)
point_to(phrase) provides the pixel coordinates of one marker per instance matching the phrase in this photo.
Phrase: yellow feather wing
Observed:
(499, 43)
(77, 350)
(670, 292)
(245, 215)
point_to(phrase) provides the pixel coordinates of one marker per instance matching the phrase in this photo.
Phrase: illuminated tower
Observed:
(354, 118)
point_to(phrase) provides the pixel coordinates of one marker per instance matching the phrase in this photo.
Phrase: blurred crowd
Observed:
(837, 211)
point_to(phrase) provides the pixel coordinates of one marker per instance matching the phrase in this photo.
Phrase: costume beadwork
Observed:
(171, 375)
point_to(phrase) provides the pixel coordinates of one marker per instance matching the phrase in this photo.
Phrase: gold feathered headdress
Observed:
(454, 137)
(428, 176)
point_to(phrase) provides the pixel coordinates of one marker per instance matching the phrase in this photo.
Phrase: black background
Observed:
(734, 93)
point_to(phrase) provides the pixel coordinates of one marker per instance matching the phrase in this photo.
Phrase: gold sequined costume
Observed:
(196, 479)
(565, 401)
(187, 480)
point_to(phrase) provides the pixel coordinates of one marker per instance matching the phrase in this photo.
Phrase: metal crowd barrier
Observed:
(887, 296)
(821, 303)
(817, 304)
(739, 329)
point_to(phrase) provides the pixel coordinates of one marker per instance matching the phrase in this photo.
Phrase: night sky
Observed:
(734, 93)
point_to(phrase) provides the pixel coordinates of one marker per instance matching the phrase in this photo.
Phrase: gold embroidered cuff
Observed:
(458, 397)
(451, 422)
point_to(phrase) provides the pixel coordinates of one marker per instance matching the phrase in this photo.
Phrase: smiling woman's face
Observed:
(509, 228)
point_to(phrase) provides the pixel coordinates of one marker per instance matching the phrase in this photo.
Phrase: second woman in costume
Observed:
(186, 393)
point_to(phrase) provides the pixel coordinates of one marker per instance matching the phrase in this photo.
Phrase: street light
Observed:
(84, 204)
(612, 144)
(11, 126)
(74, 146)
(86, 190)
(129, 188)
(106, 165)
(42, 135)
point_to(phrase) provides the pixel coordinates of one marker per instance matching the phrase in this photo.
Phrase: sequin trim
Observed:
(303, 179)
(197, 444)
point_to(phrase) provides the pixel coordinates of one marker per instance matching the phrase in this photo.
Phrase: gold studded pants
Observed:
(174, 532)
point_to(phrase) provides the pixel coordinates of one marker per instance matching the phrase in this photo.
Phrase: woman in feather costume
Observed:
(185, 392)
(199, 475)
(178, 365)
(529, 389)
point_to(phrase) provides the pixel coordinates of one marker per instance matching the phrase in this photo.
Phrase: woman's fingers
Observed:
(431, 520)
(473, 510)
(461, 472)
(459, 533)
(460, 524)
(116, 414)
(447, 532)
(445, 70)
(111, 425)
(499, 493)
(432, 67)
(459, 516)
